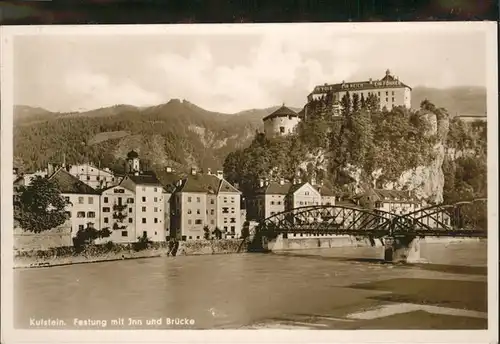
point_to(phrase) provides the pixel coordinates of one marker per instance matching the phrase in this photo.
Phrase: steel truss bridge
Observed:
(461, 219)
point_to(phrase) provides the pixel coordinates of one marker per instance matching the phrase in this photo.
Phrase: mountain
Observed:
(463, 100)
(177, 133)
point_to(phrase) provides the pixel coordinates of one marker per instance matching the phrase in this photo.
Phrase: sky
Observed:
(228, 71)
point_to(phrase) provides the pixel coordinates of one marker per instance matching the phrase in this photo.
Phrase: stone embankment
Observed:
(58, 256)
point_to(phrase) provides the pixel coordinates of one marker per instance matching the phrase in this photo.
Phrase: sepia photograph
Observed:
(250, 178)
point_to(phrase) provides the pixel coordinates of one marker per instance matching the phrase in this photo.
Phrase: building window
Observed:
(198, 211)
(156, 189)
(393, 99)
(306, 193)
(129, 210)
(105, 200)
(91, 214)
(143, 220)
(124, 233)
(232, 210)
(279, 202)
(198, 199)
(190, 237)
(105, 210)
(197, 222)
(91, 200)
(225, 220)
(212, 201)
(143, 189)
(379, 96)
(225, 210)
(156, 220)
(80, 214)
(143, 209)
(144, 199)
(130, 220)
(144, 233)
(233, 220)
(106, 220)
(282, 130)
(156, 209)
(272, 213)
(189, 199)
(387, 93)
(212, 222)
(272, 202)
(189, 221)
(386, 99)
(80, 227)
(88, 177)
(232, 199)
(392, 92)
(80, 200)
(197, 237)
(225, 228)
(212, 211)
(189, 211)
(156, 199)
(66, 199)
(233, 229)
(130, 200)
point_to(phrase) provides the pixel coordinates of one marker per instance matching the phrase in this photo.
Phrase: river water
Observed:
(217, 291)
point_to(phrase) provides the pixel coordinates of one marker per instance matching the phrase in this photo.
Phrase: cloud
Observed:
(91, 90)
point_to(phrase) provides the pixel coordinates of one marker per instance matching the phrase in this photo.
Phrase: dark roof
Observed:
(169, 180)
(132, 154)
(145, 178)
(67, 183)
(206, 183)
(388, 195)
(325, 191)
(388, 81)
(274, 188)
(281, 112)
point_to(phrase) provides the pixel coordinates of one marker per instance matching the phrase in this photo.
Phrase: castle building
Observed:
(281, 122)
(206, 200)
(390, 91)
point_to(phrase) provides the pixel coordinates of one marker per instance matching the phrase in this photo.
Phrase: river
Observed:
(225, 291)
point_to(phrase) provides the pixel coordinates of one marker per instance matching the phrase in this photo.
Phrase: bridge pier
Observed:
(402, 250)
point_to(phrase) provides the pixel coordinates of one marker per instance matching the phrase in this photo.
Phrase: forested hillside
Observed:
(366, 147)
(177, 133)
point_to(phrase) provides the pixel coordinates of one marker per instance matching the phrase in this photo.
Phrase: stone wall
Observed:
(56, 237)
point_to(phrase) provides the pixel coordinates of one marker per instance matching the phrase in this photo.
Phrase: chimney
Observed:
(169, 169)
(313, 181)
(237, 185)
(209, 171)
(282, 181)
(193, 171)
(220, 174)
(261, 182)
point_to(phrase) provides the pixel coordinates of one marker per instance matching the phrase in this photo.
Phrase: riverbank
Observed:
(60, 256)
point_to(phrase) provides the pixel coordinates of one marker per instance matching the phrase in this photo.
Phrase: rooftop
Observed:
(67, 183)
(206, 183)
(281, 112)
(145, 178)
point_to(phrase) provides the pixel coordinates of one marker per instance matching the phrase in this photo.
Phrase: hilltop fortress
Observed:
(390, 91)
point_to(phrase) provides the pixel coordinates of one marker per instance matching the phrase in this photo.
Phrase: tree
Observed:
(206, 233)
(88, 235)
(40, 206)
(218, 233)
(245, 230)
(363, 101)
(345, 102)
(355, 103)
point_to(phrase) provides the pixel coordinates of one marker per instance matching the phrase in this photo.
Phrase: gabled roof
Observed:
(388, 195)
(206, 183)
(67, 183)
(145, 178)
(274, 188)
(296, 187)
(169, 180)
(281, 112)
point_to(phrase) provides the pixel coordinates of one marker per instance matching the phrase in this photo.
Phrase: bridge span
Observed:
(399, 233)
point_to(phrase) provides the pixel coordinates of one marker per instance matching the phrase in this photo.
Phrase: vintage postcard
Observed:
(276, 183)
